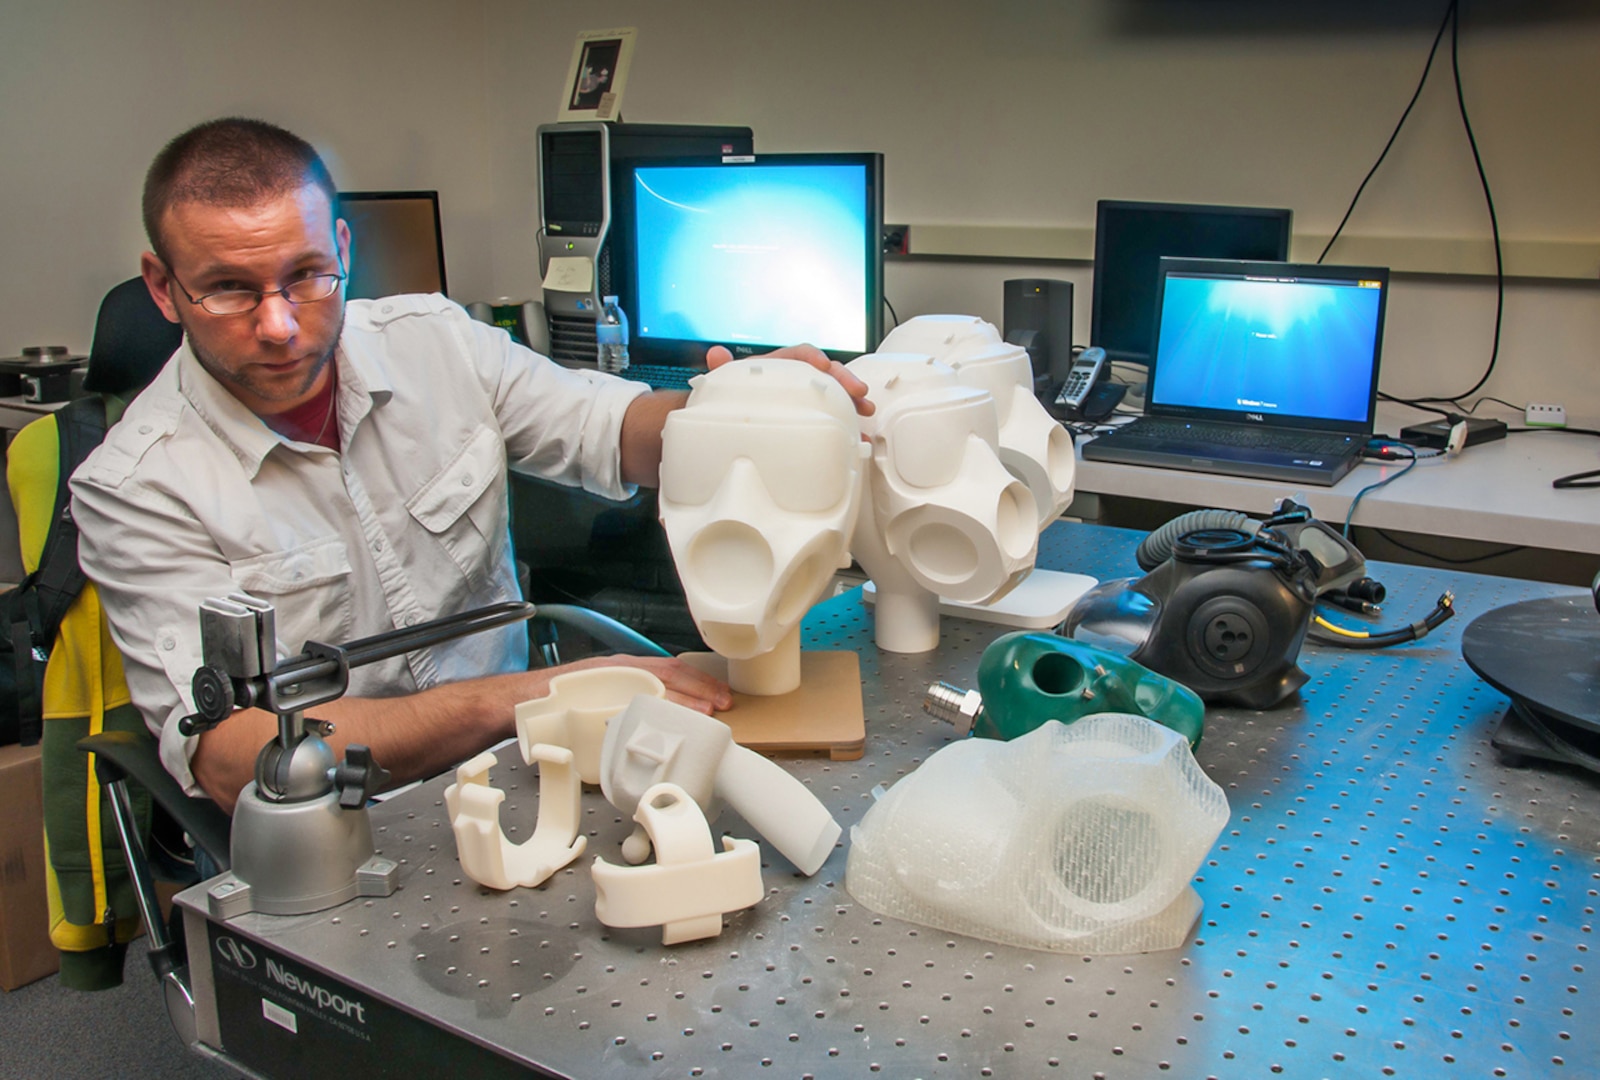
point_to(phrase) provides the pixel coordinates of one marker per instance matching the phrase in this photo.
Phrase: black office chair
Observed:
(132, 341)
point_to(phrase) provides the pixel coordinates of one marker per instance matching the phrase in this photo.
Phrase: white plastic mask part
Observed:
(487, 855)
(1080, 839)
(690, 886)
(573, 713)
(654, 741)
(759, 496)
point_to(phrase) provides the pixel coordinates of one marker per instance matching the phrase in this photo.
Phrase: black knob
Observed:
(358, 777)
(213, 700)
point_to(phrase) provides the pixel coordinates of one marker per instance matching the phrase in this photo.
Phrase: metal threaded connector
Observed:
(955, 706)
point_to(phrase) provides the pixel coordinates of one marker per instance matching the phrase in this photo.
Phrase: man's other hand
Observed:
(717, 355)
(686, 686)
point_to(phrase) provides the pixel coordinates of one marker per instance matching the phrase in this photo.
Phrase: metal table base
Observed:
(1388, 899)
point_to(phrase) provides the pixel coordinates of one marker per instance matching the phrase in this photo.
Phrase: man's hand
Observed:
(687, 686)
(716, 356)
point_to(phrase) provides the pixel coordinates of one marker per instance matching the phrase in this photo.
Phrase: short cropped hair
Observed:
(233, 161)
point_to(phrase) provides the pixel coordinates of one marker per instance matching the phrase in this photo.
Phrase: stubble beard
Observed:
(242, 380)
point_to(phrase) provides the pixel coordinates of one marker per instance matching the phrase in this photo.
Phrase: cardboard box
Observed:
(25, 950)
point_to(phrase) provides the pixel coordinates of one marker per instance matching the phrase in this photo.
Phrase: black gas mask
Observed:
(1227, 607)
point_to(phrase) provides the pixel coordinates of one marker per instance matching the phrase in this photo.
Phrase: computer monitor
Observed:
(396, 243)
(754, 253)
(1131, 237)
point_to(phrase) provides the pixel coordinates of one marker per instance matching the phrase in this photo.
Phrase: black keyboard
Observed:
(1159, 430)
(662, 376)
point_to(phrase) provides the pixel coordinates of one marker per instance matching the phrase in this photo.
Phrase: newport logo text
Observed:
(322, 997)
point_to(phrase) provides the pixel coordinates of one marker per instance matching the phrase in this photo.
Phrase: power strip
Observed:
(1551, 416)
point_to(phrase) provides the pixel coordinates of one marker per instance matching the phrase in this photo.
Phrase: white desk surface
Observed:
(1497, 492)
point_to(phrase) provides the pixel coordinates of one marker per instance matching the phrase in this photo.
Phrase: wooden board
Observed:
(824, 716)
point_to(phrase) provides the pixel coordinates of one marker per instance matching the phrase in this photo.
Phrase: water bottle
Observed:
(611, 335)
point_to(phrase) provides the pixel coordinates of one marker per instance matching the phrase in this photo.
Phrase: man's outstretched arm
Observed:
(422, 734)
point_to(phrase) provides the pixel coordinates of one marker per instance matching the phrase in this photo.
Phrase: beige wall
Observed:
(1006, 112)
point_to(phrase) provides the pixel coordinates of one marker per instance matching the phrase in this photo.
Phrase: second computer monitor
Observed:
(1131, 237)
(755, 253)
(396, 243)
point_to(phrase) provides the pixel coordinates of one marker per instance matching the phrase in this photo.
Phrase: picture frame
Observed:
(598, 74)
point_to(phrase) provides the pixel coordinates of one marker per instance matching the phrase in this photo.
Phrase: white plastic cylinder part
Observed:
(769, 674)
(487, 855)
(690, 886)
(905, 620)
(779, 807)
(574, 711)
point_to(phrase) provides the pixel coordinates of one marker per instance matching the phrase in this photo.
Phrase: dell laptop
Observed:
(1259, 369)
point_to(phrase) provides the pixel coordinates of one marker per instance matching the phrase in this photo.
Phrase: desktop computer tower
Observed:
(582, 229)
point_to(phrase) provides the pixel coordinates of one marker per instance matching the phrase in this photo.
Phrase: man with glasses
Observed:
(344, 461)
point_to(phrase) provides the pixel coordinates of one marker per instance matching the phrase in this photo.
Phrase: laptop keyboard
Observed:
(1157, 430)
(662, 376)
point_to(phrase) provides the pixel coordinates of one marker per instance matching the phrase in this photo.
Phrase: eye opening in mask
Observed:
(807, 467)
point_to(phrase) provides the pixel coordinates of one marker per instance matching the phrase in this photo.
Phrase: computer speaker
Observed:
(1038, 316)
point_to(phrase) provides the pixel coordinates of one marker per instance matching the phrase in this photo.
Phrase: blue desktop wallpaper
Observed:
(1295, 349)
(763, 255)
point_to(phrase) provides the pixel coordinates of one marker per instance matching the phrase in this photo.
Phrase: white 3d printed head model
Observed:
(1032, 446)
(1080, 839)
(759, 495)
(654, 741)
(942, 516)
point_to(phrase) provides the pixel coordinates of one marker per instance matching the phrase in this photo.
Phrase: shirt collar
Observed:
(363, 386)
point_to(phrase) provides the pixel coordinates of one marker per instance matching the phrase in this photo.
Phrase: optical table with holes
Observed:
(1388, 898)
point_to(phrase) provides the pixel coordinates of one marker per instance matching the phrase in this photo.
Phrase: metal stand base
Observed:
(293, 858)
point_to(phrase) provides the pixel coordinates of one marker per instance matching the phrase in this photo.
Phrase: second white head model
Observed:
(760, 489)
(1032, 446)
(943, 517)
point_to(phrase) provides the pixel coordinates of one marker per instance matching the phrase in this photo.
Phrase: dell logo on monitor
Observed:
(1255, 416)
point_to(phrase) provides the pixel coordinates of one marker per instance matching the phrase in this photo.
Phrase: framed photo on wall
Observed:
(598, 75)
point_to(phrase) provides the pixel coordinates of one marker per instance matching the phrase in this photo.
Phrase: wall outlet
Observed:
(1541, 415)
(897, 239)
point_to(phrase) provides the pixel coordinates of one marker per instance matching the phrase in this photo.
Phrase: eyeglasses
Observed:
(306, 290)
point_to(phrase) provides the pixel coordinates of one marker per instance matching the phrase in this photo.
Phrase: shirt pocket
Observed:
(309, 588)
(463, 506)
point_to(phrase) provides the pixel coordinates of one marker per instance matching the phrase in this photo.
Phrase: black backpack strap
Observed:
(80, 427)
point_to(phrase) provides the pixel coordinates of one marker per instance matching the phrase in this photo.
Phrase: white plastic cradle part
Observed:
(574, 712)
(487, 855)
(654, 741)
(690, 885)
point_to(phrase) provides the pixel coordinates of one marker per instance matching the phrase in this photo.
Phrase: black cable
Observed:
(1452, 21)
(1448, 14)
(1443, 610)
(892, 313)
(1508, 550)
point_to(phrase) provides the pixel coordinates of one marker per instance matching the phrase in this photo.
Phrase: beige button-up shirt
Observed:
(191, 496)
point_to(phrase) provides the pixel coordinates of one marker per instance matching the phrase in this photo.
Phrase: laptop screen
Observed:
(1272, 343)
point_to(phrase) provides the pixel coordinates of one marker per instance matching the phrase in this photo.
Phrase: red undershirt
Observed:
(303, 422)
